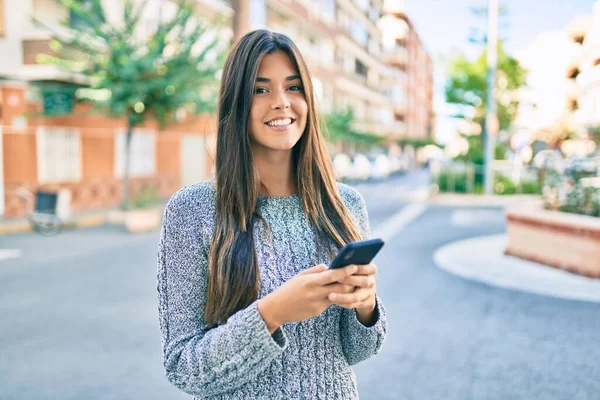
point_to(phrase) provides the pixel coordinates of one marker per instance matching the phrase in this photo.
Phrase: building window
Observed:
(58, 155)
(374, 14)
(2, 21)
(143, 154)
(362, 4)
(359, 33)
(328, 10)
(258, 14)
(374, 48)
(360, 68)
(318, 88)
(343, 20)
(572, 74)
(327, 54)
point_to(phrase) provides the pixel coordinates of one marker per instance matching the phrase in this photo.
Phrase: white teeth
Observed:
(280, 122)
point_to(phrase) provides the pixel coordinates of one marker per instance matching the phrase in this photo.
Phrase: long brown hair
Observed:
(234, 274)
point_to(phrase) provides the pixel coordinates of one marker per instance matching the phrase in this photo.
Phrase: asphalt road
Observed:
(78, 318)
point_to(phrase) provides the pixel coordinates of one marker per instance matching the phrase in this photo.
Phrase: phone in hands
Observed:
(358, 253)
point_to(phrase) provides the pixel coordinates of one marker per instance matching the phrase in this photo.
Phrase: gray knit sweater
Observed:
(240, 359)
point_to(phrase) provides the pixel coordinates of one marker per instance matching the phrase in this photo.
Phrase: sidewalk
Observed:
(482, 259)
(82, 220)
(87, 219)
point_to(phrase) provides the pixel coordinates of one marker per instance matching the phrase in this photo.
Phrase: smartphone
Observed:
(358, 253)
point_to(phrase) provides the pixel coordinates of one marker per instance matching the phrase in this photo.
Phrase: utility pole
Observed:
(241, 18)
(491, 119)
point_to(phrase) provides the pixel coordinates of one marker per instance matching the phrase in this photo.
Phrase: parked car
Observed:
(381, 167)
(342, 166)
(549, 159)
(361, 168)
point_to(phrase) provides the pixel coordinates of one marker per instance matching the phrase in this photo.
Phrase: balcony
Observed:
(395, 77)
(578, 29)
(572, 89)
(33, 47)
(394, 129)
(400, 108)
(397, 57)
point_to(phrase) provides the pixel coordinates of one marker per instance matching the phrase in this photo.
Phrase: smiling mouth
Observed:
(280, 123)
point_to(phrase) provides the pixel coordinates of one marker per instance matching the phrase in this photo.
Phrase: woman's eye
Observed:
(260, 90)
(296, 87)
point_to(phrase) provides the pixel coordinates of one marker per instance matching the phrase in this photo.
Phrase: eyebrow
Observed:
(289, 78)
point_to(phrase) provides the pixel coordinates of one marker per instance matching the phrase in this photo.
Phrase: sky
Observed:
(444, 27)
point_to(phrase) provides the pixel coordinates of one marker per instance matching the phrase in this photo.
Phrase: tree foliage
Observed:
(135, 72)
(467, 86)
(338, 126)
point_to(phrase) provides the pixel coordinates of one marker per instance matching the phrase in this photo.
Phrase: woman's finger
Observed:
(340, 288)
(314, 270)
(361, 281)
(357, 296)
(366, 269)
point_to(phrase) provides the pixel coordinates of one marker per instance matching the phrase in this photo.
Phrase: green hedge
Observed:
(458, 182)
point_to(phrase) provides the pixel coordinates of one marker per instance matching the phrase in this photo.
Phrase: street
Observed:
(79, 318)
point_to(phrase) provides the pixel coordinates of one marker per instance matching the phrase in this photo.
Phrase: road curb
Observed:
(482, 259)
(80, 222)
(15, 228)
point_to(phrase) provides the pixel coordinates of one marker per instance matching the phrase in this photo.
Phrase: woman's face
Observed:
(279, 111)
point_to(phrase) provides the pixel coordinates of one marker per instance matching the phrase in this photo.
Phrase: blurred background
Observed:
(471, 128)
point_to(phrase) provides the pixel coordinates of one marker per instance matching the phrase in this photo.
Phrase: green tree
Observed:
(338, 126)
(140, 77)
(467, 87)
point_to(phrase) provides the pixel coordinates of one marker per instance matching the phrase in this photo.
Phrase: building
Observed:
(583, 72)
(404, 50)
(543, 100)
(388, 86)
(341, 43)
(82, 154)
(358, 59)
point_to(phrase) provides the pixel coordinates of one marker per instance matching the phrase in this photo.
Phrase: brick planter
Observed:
(144, 220)
(558, 239)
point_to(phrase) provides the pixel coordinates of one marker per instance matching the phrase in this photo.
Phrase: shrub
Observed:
(459, 182)
(582, 200)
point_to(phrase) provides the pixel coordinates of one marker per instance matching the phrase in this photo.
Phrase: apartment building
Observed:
(583, 73)
(412, 85)
(388, 86)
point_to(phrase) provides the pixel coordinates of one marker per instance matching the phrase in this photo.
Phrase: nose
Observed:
(280, 101)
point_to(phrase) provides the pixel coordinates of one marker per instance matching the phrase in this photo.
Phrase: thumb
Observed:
(314, 270)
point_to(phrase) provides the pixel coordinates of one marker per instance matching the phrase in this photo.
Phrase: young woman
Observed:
(247, 306)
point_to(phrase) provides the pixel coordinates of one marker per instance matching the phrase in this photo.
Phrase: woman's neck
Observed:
(276, 172)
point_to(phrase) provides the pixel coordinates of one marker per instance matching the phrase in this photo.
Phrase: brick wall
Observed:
(98, 187)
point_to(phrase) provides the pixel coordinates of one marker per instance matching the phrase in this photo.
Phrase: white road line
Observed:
(397, 222)
(6, 254)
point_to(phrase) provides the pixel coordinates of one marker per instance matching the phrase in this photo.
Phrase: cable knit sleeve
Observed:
(198, 359)
(359, 342)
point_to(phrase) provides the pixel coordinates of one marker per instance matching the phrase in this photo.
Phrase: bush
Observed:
(146, 197)
(582, 200)
(458, 182)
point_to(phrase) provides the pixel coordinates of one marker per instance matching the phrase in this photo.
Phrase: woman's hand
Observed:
(363, 297)
(304, 296)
